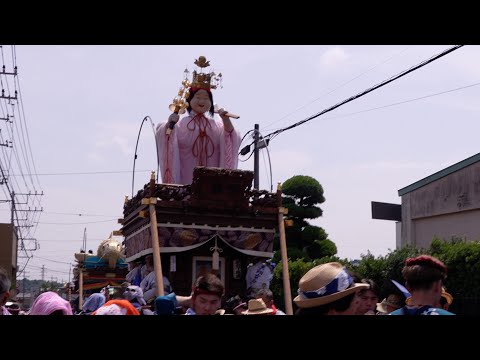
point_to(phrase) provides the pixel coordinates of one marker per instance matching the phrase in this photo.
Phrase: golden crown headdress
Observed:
(203, 80)
(200, 80)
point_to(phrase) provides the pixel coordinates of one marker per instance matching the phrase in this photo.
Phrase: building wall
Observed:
(462, 224)
(455, 192)
(446, 207)
(8, 249)
(398, 234)
(408, 235)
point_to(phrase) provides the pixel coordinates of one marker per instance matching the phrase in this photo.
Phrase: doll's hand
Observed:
(173, 118)
(223, 113)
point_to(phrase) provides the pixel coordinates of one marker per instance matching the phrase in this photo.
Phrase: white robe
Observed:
(149, 285)
(185, 148)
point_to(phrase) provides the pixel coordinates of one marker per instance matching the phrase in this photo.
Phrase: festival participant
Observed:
(424, 276)
(50, 303)
(206, 296)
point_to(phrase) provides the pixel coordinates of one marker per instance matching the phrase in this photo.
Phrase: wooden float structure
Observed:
(217, 224)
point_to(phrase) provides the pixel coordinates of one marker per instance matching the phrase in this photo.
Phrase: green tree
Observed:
(301, 194)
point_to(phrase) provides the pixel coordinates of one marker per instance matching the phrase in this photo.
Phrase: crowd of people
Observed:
(326, 289)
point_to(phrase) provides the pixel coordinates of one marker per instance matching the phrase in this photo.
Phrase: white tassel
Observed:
(216, 256)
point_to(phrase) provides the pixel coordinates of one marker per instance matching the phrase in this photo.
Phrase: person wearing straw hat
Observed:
(424, 276)
(327, 289)
(267, 296)
(391, 303)
(257, 307)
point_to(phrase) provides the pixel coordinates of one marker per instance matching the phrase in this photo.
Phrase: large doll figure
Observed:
(197, 139)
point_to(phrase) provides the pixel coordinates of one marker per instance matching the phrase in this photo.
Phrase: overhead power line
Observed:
(81, 173)
(406, 101)
(328, 92)
(67, 241)
(55, 261)
(383, 83)
(43, 268)
(72, 214)
(77, 223)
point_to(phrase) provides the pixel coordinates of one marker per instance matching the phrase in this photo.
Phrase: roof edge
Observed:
(439, 174)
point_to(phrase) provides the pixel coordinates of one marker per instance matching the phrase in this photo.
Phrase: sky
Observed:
(83, 107)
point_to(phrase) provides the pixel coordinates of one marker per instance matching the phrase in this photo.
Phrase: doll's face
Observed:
(200, 102)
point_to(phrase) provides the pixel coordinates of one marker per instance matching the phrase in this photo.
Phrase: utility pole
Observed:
(43, 273)
(84, 240)
(256, 167)
(14, 232)
(69, 297)
(24, 289)
(11, 97)
(17, 236)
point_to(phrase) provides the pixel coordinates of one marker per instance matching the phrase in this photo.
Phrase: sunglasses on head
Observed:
(132, 290)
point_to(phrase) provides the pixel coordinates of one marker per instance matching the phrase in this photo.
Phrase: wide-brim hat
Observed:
(382, 306)
(327, 283)
(257, 307)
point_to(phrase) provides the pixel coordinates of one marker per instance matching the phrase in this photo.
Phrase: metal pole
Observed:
(14, 237)
(256, 167)
(283, 250)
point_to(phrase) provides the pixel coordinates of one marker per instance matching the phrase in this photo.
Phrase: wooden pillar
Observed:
(283, 251)
(80, 288)
(157, 260)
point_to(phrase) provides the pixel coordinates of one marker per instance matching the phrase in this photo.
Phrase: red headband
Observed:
(198, 291)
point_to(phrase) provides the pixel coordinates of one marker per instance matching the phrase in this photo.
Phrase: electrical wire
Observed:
(383, 83)
(338, 87)
(82, 173)
(55, 261)
(269, 162)
(403, 101)
(79, 223)
(136, 147)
